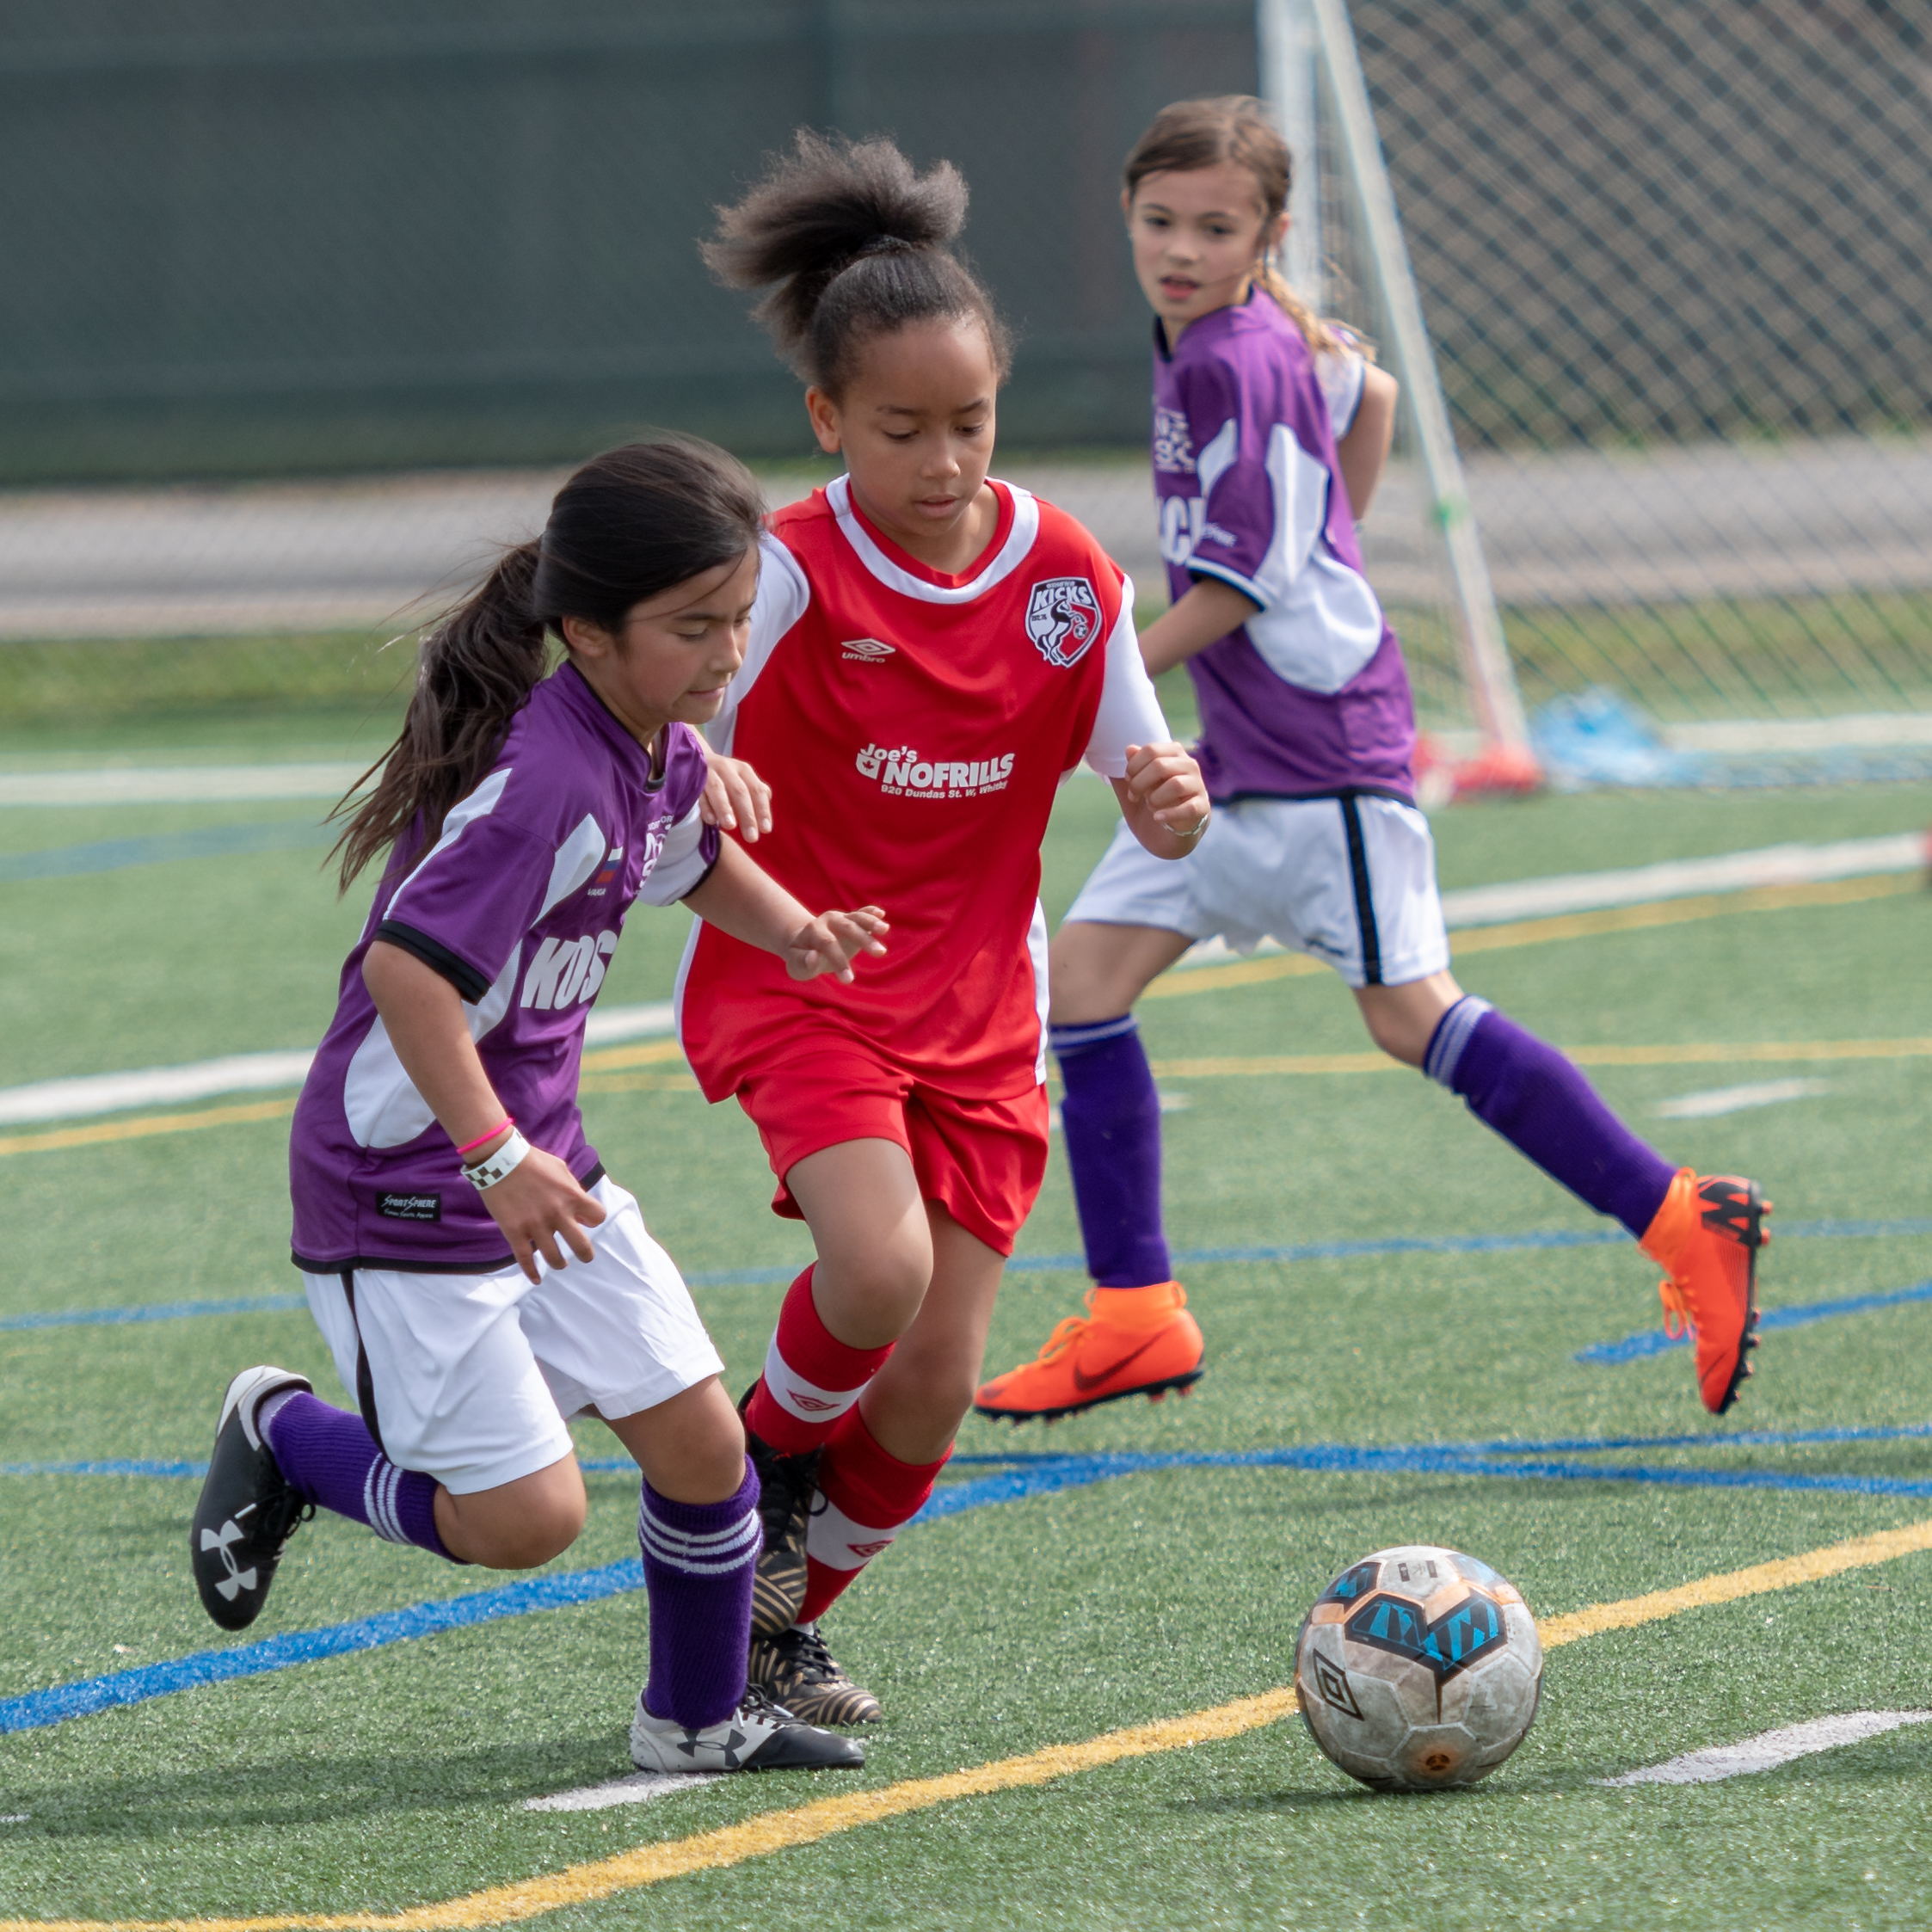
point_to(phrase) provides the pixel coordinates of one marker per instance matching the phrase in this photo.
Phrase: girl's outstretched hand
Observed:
(538, 1204)
(830, 942)
(1165, 781)
(735, 798)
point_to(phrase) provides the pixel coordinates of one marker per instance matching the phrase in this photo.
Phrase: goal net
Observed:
(1672, 266)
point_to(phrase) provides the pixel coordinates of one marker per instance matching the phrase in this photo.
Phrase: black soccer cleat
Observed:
(758, 1736)
(786, 1486)
(248, 1510)
(796, 1670)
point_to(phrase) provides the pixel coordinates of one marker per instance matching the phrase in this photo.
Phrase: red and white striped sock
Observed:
(811, 1378)
(866, 1497)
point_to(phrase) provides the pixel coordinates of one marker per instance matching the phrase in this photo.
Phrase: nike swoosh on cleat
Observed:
(1084, 1382)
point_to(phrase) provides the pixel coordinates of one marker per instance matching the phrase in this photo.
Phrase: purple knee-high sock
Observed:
(1541, 1104)
(330, 1459)
(1111, 1118)
(699, 1559)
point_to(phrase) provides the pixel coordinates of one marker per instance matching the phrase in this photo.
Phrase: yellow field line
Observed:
(1700, 1053)
(139, 1130)
(647, 1053)
(1566, 926)
(805, 1824)
(637, 1083)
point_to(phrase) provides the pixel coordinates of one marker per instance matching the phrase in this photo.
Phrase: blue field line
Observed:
(1654, 1341)
(154, 1311)
(116, 1466)
(116, 855)
(1018, 1478)
(1074, 1263)
(89, 1695)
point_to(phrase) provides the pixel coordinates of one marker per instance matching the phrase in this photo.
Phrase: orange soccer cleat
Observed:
(1707, 1234)
(1134, 1341)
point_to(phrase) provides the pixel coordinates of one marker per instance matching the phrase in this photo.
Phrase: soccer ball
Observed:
(1418, 1669)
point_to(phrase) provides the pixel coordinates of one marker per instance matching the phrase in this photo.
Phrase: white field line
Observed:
(1638, 885)
(247, 1073)
(1716, 1100)
(177, 784)
(1770, 1749)
(1487, 905)
(637, 1789)
(1858, 731)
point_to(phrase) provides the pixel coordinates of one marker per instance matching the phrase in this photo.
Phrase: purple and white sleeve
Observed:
(1264, 492)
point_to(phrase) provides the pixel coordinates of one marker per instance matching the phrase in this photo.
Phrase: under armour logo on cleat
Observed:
(238, 1579)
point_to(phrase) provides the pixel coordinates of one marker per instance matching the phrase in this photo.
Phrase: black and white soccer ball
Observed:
(1418, 1669)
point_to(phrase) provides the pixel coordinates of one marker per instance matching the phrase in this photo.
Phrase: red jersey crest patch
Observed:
(1064, 619)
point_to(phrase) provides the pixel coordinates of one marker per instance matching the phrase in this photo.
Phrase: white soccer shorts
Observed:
(1350, 881)
(471, 1377)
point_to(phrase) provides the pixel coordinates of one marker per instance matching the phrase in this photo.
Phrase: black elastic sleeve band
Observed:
(459, 973)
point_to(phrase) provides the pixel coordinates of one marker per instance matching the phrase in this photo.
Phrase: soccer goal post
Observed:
(1307, 49)
(1669, 430)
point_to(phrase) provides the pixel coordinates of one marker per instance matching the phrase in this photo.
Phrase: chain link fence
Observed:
(1674, 259)
(1676, 265)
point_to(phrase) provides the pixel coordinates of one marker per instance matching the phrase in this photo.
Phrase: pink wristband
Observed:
(481, 1138)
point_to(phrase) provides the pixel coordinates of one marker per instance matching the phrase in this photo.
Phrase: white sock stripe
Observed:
(699, 1543)
(694, 1564)
(840, 1541)
(804, 1399)
(380, 1489)
(1452, 1035)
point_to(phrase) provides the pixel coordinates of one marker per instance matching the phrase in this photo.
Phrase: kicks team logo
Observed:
(867, 650)
(1064, 619)
(902, 773)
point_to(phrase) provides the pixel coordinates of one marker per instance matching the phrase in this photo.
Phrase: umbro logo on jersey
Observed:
(902, 773)
(1064, 619)
(868, 650)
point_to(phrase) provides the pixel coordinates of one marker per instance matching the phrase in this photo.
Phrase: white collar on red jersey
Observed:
(1012, 553)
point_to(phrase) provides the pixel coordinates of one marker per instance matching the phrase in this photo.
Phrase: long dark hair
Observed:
(856, 240)
(628, 526)
(1190, 134)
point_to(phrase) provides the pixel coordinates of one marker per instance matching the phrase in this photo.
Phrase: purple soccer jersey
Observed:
(519, 905)
(1310, 696)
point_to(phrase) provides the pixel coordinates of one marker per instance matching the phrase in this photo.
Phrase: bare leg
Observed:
(1402, 1019)
(1096, 972)
(518, 1524)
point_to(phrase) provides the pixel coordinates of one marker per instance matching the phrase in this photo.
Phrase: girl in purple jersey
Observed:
(1270, 432)
(445, 1194)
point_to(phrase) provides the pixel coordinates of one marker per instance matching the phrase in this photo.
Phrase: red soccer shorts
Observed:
(981, 1160)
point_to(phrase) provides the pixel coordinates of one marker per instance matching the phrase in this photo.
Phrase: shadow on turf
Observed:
(319, 1790)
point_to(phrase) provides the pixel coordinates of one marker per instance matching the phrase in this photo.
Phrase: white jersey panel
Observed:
(1129, 711)
(783, 596)
(1342, 373)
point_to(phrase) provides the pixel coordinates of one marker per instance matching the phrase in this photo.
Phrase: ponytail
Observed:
(475, 671)
(853, 242)
(628, 526)
(1192, 134)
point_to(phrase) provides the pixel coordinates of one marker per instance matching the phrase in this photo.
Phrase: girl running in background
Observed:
(1307, 730)
(931, 653)
(439, 1164)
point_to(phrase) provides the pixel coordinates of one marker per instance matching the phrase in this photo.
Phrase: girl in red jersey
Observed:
(930, 654)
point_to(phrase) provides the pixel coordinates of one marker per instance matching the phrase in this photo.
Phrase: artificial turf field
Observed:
(390, 1779)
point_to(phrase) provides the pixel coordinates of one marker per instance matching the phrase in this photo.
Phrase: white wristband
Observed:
(500, 1165)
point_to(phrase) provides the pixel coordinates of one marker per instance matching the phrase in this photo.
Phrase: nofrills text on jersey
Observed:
(902, 773)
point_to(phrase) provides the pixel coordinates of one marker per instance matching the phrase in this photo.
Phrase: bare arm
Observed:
(539, 1201)
(1163, 799)
(735, 798)
(1364, 450)
(739, 898)
(1202, 617)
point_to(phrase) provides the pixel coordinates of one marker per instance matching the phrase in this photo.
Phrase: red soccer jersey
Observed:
(912, 728)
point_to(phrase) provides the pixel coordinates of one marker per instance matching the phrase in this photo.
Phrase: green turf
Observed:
(372, 1782)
